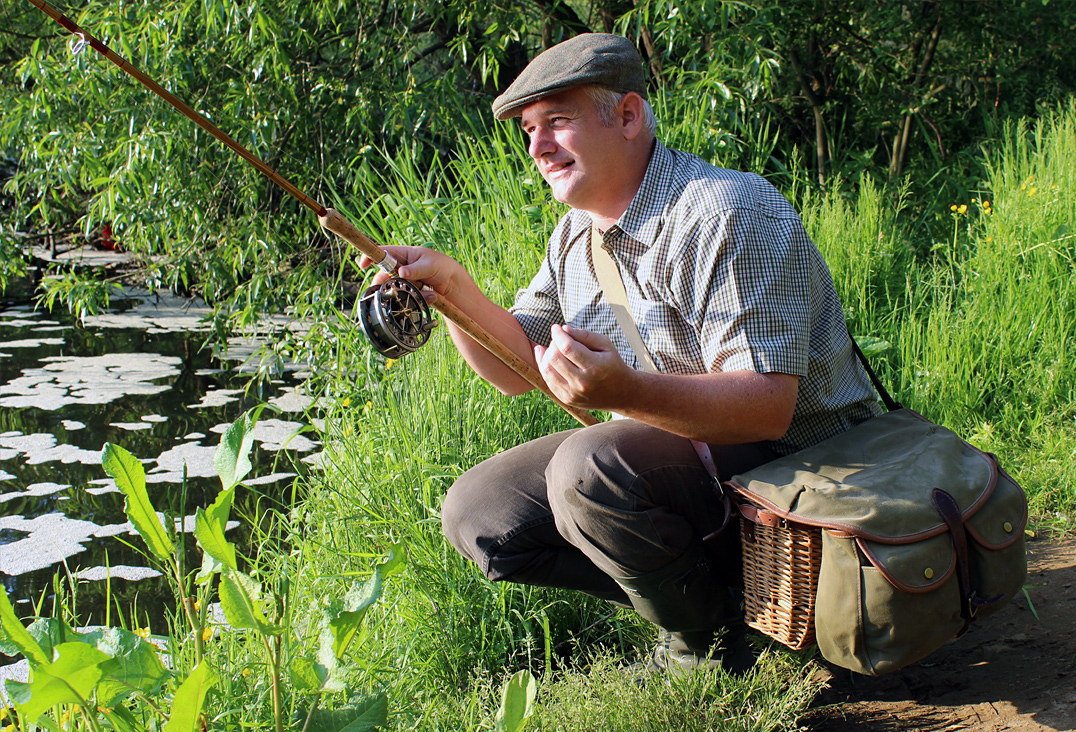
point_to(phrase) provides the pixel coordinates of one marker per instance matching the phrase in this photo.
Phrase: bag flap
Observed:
(918, 567)
(874, 480)
(1002, 519)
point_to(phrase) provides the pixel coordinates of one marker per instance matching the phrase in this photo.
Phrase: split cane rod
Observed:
(329, 219)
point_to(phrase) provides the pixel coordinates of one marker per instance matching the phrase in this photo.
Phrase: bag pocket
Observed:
(865, 623)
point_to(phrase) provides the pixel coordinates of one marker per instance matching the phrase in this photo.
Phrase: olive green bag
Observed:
(920, 534)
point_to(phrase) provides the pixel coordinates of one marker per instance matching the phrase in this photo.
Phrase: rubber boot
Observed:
(702, 626)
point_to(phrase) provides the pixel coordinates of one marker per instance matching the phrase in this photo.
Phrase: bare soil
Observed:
(1011, 671)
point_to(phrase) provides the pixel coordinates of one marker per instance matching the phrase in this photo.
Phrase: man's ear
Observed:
(631, 115)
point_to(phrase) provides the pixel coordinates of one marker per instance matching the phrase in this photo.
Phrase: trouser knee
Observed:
(457, 520)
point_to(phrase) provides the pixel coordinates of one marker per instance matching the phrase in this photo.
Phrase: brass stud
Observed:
(928, 573)
(1008, 527)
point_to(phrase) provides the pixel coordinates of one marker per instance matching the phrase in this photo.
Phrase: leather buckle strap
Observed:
(949, 510)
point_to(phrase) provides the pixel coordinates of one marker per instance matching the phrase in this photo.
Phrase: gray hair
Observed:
(606, 101)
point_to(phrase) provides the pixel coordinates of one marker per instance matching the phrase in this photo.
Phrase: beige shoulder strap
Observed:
(612, 284)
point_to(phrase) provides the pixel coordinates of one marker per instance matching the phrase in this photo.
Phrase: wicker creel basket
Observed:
(781, 561)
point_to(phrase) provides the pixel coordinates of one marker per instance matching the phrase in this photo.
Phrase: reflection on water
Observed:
(137, 377)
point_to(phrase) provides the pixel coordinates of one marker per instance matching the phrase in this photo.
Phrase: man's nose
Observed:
(541, 142)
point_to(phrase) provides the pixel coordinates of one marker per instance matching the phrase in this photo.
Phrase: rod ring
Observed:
(78, 42)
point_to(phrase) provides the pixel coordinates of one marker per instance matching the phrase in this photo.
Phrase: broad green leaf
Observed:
(306, 675)
(130, 478)
(210, 535)
(190, 698)
(358, 715)
(220, 509)
(240, 598)
(16, 635)
(871, 345)
(137, 665)
(395, 562)
(70, 679)
(232, 459)
(361, 597)
(51, 632)
(210, 567)
(327, 662)
(517, 702)
(357, 601)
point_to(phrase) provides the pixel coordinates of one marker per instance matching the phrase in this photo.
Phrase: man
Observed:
(736, 308)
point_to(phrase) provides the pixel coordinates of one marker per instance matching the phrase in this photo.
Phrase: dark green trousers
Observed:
(577, 508)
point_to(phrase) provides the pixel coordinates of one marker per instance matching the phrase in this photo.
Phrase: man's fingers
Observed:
(593, 341)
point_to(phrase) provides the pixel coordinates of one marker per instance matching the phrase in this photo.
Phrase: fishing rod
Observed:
(393, 315)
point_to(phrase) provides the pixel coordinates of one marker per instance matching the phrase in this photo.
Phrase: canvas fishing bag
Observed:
(880, 544)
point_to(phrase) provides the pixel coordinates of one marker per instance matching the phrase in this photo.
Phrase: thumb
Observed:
(590, 339)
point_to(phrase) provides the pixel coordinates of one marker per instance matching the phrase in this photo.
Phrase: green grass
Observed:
(974, 323)
(971, 321)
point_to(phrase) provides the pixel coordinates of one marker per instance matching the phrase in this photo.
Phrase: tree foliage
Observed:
(331, 92)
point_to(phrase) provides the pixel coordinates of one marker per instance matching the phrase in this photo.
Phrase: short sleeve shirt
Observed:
(720, 276)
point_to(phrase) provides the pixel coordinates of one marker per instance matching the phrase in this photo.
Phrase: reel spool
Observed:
(395, 317)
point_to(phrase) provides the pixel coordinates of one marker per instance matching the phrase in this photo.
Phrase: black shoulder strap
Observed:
(890, 403)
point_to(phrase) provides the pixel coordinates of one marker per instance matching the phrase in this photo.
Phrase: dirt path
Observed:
(1010, 672)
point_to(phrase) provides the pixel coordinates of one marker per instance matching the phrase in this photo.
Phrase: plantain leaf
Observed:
(871, 345)
(70, 679)
(13, 632)
(232, 459)
(240, 598)
(137, 665)
(395, 561)
(360, 598)
(306, 675)
(210, 535)
(130, 478)
(360, 714)
(517, 702)
(189, 699)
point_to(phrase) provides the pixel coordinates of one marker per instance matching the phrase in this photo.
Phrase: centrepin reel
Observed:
(395, 317)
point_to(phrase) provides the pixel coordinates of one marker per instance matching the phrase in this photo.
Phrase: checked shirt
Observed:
(720, 276)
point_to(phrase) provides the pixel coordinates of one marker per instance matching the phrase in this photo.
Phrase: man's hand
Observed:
(437, 274)
(583, 369)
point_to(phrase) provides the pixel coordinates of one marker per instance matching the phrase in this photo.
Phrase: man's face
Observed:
(578, 156)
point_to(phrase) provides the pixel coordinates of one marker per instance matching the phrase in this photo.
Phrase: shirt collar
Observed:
(644, 217)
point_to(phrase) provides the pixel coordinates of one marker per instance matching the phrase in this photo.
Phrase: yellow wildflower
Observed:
(246, 672)
(345, 402)
(207, 633)
(1033, 191)
(953, 207)
(197, 606)
(144, 632)
(369, 405)
(10, 728)
(962, 209)
(389, 362)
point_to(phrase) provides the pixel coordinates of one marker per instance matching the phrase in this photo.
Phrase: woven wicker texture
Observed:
(780, 567)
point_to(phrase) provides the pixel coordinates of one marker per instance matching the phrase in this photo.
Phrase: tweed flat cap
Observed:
(592, 58)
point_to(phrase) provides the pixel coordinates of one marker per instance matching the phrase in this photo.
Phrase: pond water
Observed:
(136, 376)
